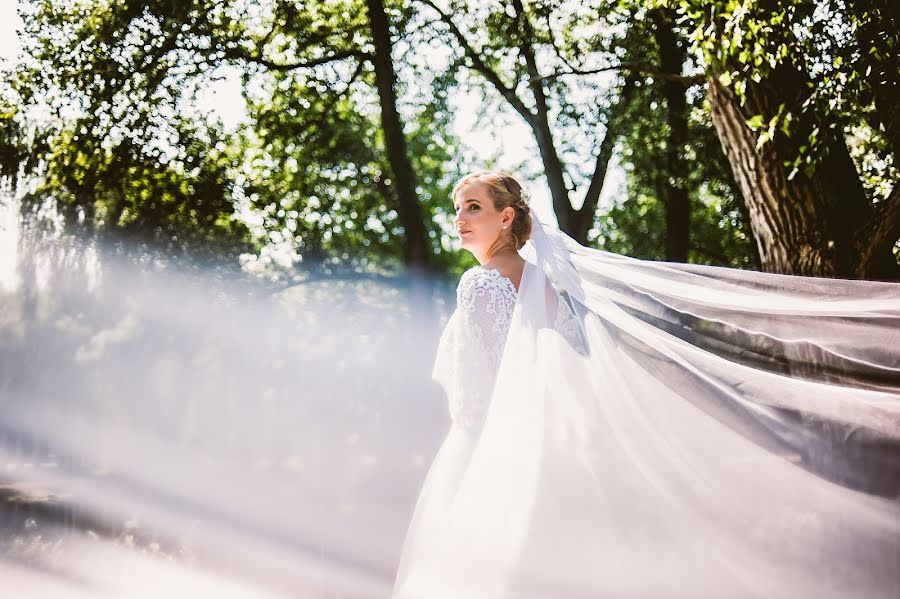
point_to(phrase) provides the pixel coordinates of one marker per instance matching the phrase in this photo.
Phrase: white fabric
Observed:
(685, 431)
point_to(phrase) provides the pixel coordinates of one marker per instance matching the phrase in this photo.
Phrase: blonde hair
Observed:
(505, 191)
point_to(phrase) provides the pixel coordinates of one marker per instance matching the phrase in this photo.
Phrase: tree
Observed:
(876, 65)
(635, 224)
(133, 66)
(517, 39)
(395, 140)
(314, 167)
(680, 201)
(784, 99)
(544, 58)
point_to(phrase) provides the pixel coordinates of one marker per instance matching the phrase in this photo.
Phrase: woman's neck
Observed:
(503, 255)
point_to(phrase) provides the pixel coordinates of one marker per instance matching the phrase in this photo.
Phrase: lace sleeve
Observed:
(485, 301)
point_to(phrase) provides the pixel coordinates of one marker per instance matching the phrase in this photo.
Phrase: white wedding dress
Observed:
(595, 452)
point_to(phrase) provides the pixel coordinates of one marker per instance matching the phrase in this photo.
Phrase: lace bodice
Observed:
(473, 340)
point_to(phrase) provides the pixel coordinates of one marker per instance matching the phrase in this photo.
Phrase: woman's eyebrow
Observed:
(466, 201)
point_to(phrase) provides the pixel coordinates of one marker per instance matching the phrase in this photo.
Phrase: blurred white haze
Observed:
(184, 435)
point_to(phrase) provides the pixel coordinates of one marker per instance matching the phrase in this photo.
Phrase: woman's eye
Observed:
(472, 208)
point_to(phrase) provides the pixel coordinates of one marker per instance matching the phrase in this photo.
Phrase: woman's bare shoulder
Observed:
(512, 268)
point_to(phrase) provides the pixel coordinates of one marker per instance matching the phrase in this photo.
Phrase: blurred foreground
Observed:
(174, 433)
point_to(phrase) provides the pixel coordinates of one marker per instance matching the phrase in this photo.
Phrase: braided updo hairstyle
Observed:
(505, 191)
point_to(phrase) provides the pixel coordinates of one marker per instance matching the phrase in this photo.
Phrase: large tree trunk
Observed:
(553, 170)
(810, 225)
(417, 250)
(672, 55)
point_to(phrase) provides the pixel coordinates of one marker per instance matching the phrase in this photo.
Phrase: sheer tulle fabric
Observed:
(708, 433)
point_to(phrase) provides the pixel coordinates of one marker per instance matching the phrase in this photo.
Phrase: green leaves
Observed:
(125, 151)
(839, 44)
(130, 155)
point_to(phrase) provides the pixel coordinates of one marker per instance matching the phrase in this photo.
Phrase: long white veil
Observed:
(715, 433)
(806, 366)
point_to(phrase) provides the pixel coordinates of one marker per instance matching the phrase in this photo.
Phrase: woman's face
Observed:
(478, 223)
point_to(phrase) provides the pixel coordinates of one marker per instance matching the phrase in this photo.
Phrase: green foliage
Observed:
(178, 204)
(636, 227)
(315, 169)
(845, 52)
(119, 158)
(636, 224)
(123, 152)
(128, 155)
(12, 148)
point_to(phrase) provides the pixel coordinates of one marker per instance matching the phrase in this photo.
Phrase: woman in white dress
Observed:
(624, 428)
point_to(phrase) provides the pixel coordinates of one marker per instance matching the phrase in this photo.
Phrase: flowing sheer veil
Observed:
(804, 366)
(707, 432)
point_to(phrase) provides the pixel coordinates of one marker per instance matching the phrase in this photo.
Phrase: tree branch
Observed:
(269, 35)
(634, 69)
(556, 49)
(535, 81)
(329, 106)
(478, 64)
(604, 155)
(236, 54)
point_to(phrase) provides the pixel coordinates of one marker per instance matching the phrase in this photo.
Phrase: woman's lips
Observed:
(464, 232)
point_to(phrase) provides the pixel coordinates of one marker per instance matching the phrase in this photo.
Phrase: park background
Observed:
(294, 137)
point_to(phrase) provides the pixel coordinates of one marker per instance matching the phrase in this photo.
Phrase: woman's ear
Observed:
(507, 215)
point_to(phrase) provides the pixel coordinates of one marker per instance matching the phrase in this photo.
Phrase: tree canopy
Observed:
(750, 134)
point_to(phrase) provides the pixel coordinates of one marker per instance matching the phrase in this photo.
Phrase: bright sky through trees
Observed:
(514, 146)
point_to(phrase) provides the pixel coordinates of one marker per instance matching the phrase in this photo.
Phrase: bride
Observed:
(625, 428)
